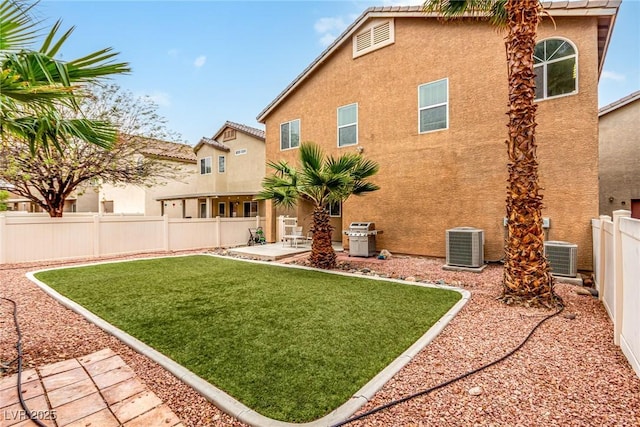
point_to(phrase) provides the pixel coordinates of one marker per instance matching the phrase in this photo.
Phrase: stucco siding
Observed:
(619, 158)
(455, 177)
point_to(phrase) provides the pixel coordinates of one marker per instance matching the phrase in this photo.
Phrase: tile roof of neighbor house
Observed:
(169, 150)
(211, 142)
(602, 8)
(619, 103)
(251, 131)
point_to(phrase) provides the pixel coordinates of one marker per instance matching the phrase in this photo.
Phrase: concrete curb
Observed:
(227, 403)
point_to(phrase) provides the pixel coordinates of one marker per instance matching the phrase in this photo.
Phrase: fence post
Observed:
(218, 237)
(617, 273)
(165, 232)
(257, 221)
(601, 258)
(3, 239)
(96, 236)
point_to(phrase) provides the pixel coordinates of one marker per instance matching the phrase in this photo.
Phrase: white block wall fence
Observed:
(31, 238)
(616, 249)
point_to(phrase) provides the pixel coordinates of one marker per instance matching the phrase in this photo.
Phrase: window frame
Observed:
(299, 133)
(250, 203)
(241, 151)
(204, 159)
(544, 64)
(338, 127)
(332, 213)
(446, 104)
(222, 169)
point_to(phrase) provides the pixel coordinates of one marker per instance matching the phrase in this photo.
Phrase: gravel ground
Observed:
(569, 374)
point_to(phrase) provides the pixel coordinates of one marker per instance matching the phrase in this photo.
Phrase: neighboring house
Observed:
(427, 101)
(230, 168)
(619, 168)
(84, 199)
(142, 200)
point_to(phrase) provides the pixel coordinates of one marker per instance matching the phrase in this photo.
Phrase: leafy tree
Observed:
(34, 85)
(4, 195)
(321, 180)
(49, 177)
(527, 278)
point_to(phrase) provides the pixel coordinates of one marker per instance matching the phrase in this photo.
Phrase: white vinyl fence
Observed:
(29, 238)
(616, 250)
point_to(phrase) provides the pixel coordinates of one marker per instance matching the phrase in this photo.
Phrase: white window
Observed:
(241, 151)
(290, 134)
(348, 125)
(221, 164)
(555, 65)
(205, 166)
(433, 106)
(378, 34)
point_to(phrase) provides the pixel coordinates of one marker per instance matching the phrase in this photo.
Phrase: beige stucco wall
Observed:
(457, 177)
(141, 200)
(243, 173)
(620, 158)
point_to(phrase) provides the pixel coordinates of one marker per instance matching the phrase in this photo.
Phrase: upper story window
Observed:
(241, 151)
(433, 106)
(290, 134)
(205, 165)
(348, 125)
(229, 134)
(379, 33)
(221, 164)
(555, 66)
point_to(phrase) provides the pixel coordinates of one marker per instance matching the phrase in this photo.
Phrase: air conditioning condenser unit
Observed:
(465, 247)
(562, 257)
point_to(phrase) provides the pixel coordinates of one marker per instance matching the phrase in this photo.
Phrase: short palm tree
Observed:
(320, 180)
(527, 278)
(33, 84)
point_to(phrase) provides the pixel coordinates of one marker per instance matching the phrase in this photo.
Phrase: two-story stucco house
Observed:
(426, 99)
(230, 169)
(620, 156)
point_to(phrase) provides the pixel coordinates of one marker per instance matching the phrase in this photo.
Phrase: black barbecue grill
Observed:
(362, 238)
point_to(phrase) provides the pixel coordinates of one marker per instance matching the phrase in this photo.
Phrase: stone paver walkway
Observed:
(94, 390)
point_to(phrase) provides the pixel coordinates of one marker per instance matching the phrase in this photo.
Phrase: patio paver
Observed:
(94, 390)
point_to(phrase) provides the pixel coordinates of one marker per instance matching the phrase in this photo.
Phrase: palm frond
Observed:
(493, 10)
(18, 29)
(311, 156)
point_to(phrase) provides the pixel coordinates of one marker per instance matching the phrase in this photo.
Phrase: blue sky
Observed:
(205, 62)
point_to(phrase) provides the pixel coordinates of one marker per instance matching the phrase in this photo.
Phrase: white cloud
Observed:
(612, 75)
(200, 60)
(329, 28)
(163, 99)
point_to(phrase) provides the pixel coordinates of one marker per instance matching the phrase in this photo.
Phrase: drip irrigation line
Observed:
(28, 412)
(446, 383)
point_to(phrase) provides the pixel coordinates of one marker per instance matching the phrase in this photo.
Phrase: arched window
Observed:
(555, 66)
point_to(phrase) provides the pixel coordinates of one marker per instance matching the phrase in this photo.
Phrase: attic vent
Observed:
(375, 36)
(363, 41)
(381, 33)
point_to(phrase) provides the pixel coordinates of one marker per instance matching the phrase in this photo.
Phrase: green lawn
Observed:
(291, 344)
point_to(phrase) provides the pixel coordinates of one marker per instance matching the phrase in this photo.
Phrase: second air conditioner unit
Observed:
(465, 247)
(562, 257)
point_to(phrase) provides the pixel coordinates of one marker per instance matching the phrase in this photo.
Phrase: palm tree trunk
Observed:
(322, 253)
(527, 279)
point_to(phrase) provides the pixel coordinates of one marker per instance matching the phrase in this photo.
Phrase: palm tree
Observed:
(527, 279)
(320, 180)
(33, 84)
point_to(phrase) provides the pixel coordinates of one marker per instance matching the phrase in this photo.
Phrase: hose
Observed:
(446, 383)
(30, 414)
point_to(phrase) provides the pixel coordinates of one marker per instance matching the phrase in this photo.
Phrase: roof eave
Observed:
(608, 8)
